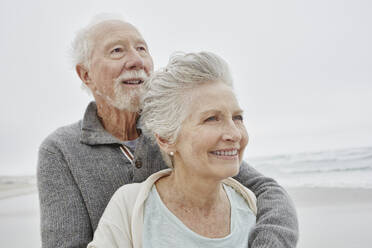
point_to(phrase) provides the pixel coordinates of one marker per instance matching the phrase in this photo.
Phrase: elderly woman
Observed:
(191, 112)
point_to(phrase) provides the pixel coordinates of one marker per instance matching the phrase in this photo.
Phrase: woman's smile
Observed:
(226, 154)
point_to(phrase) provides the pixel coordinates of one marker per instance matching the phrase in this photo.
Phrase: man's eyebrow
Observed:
(239, 111)
(118, 41)
(141, 41)
(111, 43)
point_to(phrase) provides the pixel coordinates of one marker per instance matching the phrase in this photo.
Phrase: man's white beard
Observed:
(126, 97)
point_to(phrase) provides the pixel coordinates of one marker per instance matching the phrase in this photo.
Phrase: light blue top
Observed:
(163, 229)
(131, 144)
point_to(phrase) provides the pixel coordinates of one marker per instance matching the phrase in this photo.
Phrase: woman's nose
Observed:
(232, 133)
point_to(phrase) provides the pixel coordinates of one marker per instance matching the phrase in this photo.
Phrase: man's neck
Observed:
(119, 123)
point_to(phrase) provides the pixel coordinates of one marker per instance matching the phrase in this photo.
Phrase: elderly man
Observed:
(81, 165)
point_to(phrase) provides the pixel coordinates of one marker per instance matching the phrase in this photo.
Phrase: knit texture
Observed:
(80, 166)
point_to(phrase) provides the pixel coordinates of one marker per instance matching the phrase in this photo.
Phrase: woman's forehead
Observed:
(215, 97)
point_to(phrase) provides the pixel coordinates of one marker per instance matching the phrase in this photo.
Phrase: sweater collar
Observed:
(92, 131)
(147, 154)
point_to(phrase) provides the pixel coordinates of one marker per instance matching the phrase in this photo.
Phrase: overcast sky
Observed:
(302, 69)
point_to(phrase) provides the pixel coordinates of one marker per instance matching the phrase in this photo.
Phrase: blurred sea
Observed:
(347, 168)
(16, 185)
(351, 168)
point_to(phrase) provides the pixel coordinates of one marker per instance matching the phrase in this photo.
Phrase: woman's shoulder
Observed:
(129, 193)
(244, 192)
(128, 189)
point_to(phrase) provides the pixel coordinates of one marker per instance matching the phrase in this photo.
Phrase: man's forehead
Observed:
(109, 28)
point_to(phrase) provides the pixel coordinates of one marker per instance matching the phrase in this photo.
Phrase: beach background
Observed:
(302, 74)
(332, 192)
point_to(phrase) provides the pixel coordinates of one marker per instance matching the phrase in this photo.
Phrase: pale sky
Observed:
(302, 69)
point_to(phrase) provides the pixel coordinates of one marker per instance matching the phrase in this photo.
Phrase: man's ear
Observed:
(164, 144)
(84, 75)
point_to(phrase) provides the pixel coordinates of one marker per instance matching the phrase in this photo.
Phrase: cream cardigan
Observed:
(122, 221)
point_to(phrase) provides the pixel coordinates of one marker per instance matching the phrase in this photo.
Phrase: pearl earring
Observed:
(171, 153)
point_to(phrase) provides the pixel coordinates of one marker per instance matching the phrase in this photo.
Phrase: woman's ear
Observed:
(164, 144)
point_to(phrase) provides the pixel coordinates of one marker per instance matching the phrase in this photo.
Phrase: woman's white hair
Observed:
(83, 43)
(167, 92)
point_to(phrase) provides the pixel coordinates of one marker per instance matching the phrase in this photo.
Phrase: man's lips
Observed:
(132, 81)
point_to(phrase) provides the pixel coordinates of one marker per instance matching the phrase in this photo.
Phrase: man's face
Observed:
(120, 62)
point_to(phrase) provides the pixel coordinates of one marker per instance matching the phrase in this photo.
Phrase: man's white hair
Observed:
(82, 45)
(167, 92)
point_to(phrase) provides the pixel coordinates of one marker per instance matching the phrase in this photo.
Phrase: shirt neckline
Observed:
(175, 219)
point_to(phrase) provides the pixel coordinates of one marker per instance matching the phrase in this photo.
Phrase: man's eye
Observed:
(238, 117)
(141, 48)
(117, 50)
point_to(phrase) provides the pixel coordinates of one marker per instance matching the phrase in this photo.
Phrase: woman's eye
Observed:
(211, 118)
(238, 117)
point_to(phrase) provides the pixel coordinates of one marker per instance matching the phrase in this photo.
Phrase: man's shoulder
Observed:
(62, 136)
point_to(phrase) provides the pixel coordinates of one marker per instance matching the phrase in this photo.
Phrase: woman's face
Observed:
(213, 137)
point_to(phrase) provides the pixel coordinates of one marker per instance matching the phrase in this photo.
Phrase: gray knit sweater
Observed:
(80, 166)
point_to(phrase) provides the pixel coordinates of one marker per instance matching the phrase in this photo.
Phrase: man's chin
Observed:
(127, 107)
(131, 106)
(128, 101)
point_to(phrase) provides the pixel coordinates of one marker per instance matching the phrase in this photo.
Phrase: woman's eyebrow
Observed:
(210, 111)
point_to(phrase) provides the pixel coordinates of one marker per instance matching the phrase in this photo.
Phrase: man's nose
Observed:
(134, 61)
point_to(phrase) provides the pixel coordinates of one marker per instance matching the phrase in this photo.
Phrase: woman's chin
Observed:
(227, 170)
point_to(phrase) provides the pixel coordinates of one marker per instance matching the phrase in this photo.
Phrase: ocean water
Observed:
(351, 168)
(11, 186)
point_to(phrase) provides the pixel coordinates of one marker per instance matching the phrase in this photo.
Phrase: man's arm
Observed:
(64, 217)
(276, 224)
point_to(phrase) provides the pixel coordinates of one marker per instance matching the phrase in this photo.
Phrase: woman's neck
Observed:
(201, 204)
(191, 191)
